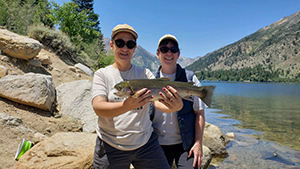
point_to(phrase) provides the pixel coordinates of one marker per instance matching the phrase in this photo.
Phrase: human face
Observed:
(123, 55)
(168, 60)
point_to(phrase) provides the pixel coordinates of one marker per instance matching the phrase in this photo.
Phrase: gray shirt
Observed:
(132, 129)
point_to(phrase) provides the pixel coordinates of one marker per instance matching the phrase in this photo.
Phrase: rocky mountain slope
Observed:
(275, 47)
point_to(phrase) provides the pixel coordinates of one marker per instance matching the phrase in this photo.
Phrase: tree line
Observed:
(257, 73)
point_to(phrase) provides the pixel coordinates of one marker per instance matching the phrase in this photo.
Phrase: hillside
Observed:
(33, 118)
(275, 47)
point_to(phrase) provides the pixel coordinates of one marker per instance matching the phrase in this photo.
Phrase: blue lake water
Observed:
(266, 120)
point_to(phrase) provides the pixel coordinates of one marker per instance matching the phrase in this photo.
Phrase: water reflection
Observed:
(273, 109)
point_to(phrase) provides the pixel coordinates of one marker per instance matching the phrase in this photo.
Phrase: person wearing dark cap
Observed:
(179, 133)
(125, 133)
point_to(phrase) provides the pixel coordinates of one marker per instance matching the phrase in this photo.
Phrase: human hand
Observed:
(143, 97)
(198, 154)
(172, 99)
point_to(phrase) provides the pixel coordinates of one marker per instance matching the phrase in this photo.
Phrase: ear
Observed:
(111, 45)
(157, 54)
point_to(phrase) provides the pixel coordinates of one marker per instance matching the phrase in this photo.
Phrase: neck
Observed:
(122, 67)
(169, 69)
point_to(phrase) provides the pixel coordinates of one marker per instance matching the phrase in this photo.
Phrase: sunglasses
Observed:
(166, 49)
(121, 43)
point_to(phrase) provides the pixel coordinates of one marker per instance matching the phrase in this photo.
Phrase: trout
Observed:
(128, 88)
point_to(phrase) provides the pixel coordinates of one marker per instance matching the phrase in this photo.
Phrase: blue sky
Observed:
(201, 26)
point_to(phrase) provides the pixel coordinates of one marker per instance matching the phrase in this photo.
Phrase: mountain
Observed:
(275, 47)
(143, 58)
(187, 61)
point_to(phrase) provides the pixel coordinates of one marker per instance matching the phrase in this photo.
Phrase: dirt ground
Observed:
(34, 119)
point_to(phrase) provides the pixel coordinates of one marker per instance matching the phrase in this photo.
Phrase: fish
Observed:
(128, 88)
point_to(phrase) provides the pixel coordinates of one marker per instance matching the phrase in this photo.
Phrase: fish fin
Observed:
(189, 98)
(164, 78)
(134, 95)
(208, 92)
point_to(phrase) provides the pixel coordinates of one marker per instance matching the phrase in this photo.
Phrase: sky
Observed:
(201, 26)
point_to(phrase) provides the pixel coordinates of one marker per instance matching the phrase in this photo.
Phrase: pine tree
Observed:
(87, 5)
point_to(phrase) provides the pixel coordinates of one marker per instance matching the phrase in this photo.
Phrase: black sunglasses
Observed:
(166, 49)
(121, 43)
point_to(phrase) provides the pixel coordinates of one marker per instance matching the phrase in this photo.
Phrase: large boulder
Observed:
(74, 100)
(215, 140)
(80, 68)
(61, 151)
(18, 46)
(31, 89)
(207, 157)
(44, 57)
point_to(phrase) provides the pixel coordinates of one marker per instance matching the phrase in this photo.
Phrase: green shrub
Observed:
(56, 41)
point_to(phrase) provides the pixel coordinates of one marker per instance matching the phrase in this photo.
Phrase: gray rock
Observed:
(74, 100)
(44, 57)
(83, 69)
(3, 71)
(31, 89)
(214, 139)
(35, 63)
(207, 157)
(18, 46)
(60, 151)
(8, 120)
(38, 137)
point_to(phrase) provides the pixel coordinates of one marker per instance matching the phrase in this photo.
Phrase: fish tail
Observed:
(208, 92)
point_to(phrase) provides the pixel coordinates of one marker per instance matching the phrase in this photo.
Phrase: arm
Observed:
(199, 129)
(171, 102)
(111, 109)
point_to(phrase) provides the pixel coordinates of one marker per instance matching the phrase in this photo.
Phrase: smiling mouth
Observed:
(124, 54)
(168, 58)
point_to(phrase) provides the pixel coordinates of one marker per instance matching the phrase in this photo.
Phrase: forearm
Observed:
(199, 126)
(108, 109)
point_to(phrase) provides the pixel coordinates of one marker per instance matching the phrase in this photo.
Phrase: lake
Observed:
(265, 118)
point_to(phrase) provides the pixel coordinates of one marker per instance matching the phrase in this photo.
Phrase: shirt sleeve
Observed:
(198, 104)
(149, 74)
(99, 87)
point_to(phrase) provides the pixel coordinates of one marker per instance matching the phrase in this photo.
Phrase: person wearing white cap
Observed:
(179, 133)
(125, 133)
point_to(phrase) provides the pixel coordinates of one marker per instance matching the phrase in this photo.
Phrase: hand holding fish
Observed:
(104, 108)
(141, 97)
(171, 100)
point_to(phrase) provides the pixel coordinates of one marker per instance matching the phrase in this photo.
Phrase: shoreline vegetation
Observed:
(255, 74)
(254, 82)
